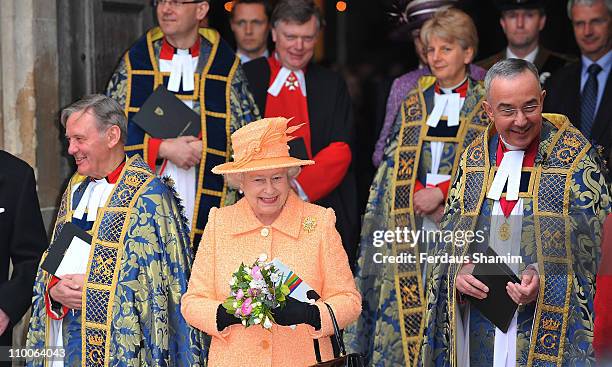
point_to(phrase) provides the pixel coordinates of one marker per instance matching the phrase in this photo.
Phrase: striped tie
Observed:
(589, 100)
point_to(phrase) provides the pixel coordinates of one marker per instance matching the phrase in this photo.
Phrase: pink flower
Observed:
(246, 307)
(256, 273)
(253, 292)
(239, 294)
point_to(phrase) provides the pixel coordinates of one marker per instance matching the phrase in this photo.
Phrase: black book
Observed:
(498, 307)
(164, 116)
(69, 251)
(297, 148)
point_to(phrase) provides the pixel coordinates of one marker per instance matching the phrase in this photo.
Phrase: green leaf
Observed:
(228, 304)
(285, 290)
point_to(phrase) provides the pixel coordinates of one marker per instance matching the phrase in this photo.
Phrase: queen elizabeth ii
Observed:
(269, 219)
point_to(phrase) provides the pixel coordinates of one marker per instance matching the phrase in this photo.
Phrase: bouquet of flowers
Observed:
(255, 291)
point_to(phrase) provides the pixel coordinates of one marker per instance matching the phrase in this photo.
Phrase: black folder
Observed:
(164, 116)
(498, 307)
(297, 148)
(58, 248)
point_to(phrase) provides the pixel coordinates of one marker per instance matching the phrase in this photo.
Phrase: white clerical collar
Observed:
(281, 81)
(448, 104)
(509, 171)
(95, 196)
(530, 56)
(451, 89)
(509, 146)
(181, 68)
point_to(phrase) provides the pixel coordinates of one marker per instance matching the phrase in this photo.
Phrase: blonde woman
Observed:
(435, 123)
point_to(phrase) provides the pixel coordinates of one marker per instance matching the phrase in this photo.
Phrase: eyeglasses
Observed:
(175, 3)
(527, 111)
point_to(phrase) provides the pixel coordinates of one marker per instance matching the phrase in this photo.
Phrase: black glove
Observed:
(295, 312)
(225, 319)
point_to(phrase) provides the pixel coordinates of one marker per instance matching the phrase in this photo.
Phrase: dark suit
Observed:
(22, 238)
(331, 120)
(546, 61)
(563, 96)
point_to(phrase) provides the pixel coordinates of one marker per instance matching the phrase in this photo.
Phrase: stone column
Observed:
(29, 101)
(29, 92)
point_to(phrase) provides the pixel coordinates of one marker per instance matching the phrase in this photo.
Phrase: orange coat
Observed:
(233, 235)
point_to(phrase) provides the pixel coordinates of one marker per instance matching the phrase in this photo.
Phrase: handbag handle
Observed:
(337, 334)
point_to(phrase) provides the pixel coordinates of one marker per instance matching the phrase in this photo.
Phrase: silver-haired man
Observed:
(532, 183)
(582, 90)
(124, 310)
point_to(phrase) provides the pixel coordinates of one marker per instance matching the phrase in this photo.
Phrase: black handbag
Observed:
(341, 359)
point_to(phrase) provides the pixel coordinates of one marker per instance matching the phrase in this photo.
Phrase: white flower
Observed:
(244, 322)
(257, 321)
(267, 323)
(257, 284)
(274, 277)
(233, 281)
(262, 257)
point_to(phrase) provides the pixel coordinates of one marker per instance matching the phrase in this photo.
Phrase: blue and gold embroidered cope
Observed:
(220, 96)
(391, 326)
(138, 269)
(563, 213)
(212, 89)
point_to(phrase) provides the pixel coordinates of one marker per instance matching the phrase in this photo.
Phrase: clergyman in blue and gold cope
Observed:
(391, 326)
(138, 265)
(220, 96)
(563, 201)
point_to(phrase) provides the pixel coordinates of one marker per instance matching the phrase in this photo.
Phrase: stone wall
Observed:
(29, 97)
(29, 92)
